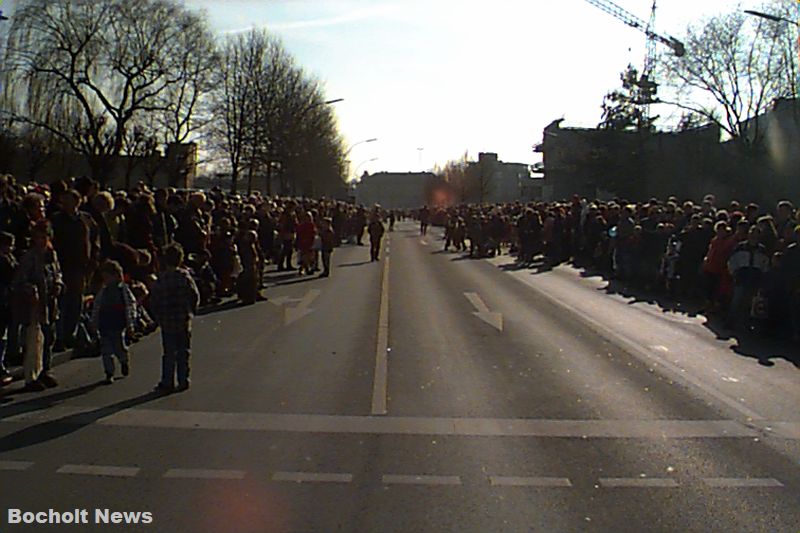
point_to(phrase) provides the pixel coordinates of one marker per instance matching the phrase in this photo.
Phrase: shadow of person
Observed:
(61, 427)
(39, 403)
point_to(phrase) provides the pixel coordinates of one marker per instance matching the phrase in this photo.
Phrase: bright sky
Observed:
(455, 75)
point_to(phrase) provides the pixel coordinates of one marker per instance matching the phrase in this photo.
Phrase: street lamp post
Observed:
(350, 149)
(363, 163)
(356, 144)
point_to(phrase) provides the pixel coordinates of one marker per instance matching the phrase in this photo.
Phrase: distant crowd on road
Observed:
(89, 269)
(741, 260)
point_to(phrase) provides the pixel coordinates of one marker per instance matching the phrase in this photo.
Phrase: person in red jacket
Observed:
(715, 269)
(306, 232)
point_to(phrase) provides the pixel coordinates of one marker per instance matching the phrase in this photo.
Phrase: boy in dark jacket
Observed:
(114, 314)
(173, 302)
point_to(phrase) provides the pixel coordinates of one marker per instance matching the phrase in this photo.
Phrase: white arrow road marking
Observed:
(482, 311)
(293, 314)
(283, 300)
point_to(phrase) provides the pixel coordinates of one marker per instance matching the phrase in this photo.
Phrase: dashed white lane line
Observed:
(732, 482)
(312, 477)
(199, 473)
(396, 479)
(647, 482)
(511, 481)
(98, 470)
(15, 465)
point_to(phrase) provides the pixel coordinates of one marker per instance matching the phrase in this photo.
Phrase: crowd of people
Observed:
(89, 269)
(740, 261)
(85, 268)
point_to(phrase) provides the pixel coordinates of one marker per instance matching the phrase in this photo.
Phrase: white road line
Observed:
(97, 470)
(380, 380)
(511, 481)
(15, 465)
(638, 482)
(380, 425)
(200, 473)
(395, 479)
(312, 477)
(732, 482)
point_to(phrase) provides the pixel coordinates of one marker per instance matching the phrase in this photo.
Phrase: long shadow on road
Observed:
(61, 427)
(40, 403)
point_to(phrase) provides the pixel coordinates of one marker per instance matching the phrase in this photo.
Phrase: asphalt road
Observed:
(425, 392)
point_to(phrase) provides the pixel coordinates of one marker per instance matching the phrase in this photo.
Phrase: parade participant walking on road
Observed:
(114, 314)
(173, 301)
(376, 231)
(424, 219)
(328, 238)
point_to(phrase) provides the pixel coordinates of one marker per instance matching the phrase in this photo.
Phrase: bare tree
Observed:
(86, 70)
(234, 99)
(735, 67)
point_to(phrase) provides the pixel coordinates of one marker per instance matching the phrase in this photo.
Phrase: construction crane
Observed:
(635, 22)
(645, 83)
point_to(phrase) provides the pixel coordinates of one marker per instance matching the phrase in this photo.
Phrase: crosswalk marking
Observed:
(643, 482)
(398, 479)
(15, 465)
(312, 477)
(732, 482)
(98, 470)
(512, 481)
(199, 473)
